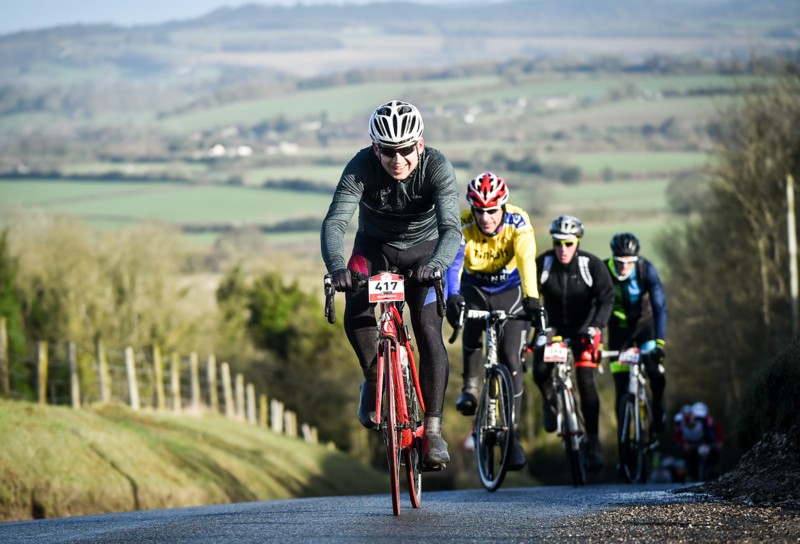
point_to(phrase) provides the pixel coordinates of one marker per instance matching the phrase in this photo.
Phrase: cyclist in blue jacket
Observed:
(639, 318)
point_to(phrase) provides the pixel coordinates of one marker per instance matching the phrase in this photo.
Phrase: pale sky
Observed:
(19, 15)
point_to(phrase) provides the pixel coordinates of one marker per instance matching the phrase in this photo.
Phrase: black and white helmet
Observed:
(566, 227)
(396, 124)
(624, 244)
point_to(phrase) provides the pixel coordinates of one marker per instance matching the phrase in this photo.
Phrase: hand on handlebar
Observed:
(342, 280)
(455, 306)
(428, 275)
(347, 280)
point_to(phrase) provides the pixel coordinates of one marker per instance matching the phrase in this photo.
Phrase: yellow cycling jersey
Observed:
(496, 263)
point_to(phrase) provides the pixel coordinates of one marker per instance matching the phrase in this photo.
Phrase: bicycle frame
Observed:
(570, 426)
(634, 417)
(392, 329)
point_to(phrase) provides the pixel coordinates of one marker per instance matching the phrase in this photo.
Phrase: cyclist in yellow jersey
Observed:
(494, 269)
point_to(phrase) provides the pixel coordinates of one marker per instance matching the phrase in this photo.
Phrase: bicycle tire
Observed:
(571, 435)
(391, 435)
(412, 455)
(493, 432)
(633, 439)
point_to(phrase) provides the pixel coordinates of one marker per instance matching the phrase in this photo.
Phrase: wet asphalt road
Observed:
(521, 514)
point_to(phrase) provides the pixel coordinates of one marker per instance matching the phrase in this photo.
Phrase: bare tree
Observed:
(727, 270)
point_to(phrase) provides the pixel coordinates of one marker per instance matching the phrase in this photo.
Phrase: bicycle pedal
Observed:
(434, 468)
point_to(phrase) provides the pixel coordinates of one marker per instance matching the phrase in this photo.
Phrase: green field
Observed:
(168, 202)
(345, 102)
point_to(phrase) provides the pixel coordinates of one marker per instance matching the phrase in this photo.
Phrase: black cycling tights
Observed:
(513, 336)
(370, 257)
(587, 391)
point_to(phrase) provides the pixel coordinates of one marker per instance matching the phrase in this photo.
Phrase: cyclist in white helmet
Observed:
(408, 217)
(576, 289)
(495, 269)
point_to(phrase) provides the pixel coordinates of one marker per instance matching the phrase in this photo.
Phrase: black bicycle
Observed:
(570, 427)
(635, 418)
(493, 432)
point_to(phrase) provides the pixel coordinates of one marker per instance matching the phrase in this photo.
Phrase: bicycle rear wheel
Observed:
(572, 436)
(412, 454)
(391, 436)
(494, 427)
(633, 440)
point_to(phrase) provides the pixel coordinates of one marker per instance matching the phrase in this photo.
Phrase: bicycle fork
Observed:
(566, 427)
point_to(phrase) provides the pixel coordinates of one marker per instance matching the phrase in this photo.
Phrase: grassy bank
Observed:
(55, 462)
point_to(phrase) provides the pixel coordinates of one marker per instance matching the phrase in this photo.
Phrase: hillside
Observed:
(58, 462)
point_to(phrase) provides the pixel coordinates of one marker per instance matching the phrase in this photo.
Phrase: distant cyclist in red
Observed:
(408, 217)
(699, 440)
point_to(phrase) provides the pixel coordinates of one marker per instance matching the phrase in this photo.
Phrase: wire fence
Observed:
(145, 379)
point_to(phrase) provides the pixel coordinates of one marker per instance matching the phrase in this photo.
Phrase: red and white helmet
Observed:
(487, 191)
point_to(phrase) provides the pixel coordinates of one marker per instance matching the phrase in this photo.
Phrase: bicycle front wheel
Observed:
(494, 427)
(572, 436)
(391, 436)
(633, 440)
(412, 454)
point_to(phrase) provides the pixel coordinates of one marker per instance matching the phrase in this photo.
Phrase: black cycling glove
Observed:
(342, 280)
(455, 303)
(428, 275)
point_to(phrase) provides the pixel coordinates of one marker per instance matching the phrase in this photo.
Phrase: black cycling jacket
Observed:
(576, 295)
(400, 214)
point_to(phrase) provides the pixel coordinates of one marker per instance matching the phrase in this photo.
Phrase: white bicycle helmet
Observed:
(699, 410)
(396, 124)
(566, 227)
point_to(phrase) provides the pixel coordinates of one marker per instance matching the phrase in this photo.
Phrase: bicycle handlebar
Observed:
(330, 307)
(482, 315)
(360, 280)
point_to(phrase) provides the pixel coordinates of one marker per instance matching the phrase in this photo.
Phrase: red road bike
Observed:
(399, 408)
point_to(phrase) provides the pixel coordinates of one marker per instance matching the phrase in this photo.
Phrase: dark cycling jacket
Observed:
(400, 214)
(576, 295)
(639, 297)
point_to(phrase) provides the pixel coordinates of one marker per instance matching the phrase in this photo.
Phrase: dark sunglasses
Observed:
(481, 211)
(390, 152)
(567, 243)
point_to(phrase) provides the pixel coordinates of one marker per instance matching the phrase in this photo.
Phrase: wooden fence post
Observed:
(175, 381)
(239, 396)
(310, 434)
(5, 366)
(276, 415)
(289, 428)
(194, 376)
(251, 404)
(213, 393)
(227, 391)
(158, 372)
(74, 382)
(42, 371)
(133, 385)
(102, 371)
(262, 400)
